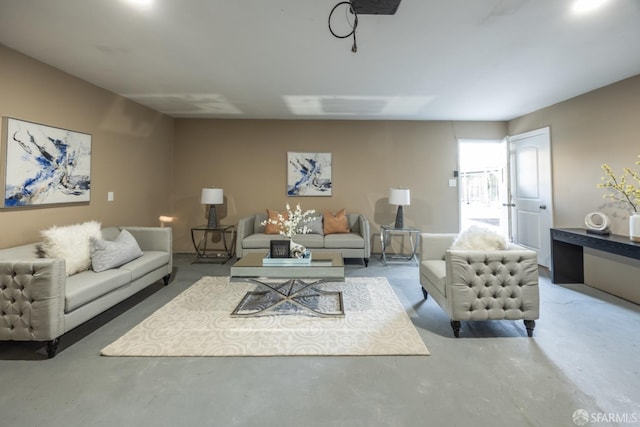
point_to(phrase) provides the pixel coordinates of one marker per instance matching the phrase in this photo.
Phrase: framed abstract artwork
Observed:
(44, 165)
(309, 174)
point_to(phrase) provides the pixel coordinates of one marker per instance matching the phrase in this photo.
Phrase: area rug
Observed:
(197, 323)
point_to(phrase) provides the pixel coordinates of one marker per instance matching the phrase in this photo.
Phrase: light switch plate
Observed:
(110, 196)
(453, 182)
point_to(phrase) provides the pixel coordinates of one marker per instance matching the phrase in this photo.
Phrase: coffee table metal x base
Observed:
(290, 291)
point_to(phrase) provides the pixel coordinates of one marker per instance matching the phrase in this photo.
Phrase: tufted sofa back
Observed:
(492, 284)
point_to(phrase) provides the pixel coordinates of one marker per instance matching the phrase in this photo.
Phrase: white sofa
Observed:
(480, 284)
(356, 244)
(38, 302)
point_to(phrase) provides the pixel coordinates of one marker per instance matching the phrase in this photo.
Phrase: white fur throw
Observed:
(70, 243)
(479, 238)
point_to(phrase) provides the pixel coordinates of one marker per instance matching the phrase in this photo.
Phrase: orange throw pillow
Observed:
(337, 223)
(271, 228)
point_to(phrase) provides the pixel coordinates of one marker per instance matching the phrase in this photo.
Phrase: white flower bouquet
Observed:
(294, 222)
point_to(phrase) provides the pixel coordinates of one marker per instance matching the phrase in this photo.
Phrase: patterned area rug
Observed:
(197, 323)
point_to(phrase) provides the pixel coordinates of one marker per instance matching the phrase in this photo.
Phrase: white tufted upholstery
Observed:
(38, 302)
(31, 300)
(480, 285)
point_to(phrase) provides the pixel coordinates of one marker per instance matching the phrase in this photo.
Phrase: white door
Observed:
(531, 202)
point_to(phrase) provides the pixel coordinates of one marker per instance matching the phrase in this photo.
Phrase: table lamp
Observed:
(212, 197)
(400, 197)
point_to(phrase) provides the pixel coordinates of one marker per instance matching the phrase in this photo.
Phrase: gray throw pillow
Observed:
(107, 254)
(315, 225)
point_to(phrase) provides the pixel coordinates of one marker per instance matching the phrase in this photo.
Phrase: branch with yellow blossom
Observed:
(622, 188)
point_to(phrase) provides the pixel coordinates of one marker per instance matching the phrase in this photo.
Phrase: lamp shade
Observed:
(212, 196)
(400, 196)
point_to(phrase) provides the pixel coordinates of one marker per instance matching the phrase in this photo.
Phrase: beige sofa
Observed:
(356, 244)
(480, 285)
(38, 302)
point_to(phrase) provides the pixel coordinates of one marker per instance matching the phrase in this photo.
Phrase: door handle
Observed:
(543, 206)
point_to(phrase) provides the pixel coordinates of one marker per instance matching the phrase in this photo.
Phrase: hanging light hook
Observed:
(354, 47)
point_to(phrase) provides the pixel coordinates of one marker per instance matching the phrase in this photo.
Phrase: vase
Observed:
(634, 226)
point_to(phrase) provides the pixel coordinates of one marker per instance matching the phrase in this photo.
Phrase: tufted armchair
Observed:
(480, 285)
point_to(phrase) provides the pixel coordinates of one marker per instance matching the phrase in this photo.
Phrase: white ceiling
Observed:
(276, 59)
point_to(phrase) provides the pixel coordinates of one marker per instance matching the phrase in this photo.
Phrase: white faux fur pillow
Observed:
(479, 238)
(70, 243)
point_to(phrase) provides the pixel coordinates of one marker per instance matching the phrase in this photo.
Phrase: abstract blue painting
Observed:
(309, 174)
(45, 165)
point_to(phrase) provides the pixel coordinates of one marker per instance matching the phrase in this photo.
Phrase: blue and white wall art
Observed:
(45, 165)
(309, 174)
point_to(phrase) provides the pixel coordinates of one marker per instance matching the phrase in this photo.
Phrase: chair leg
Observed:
(51, 347)
(530, 325)
(455, 325)
(366, 262)
(425, 293)
(166, 278)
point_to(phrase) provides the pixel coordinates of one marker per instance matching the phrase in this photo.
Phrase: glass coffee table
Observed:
(290, 289)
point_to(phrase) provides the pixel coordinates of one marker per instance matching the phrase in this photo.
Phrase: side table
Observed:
(387, 231)
(202, 235)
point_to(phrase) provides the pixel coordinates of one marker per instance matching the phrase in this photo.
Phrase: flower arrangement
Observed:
(293, 223)
(622, 189)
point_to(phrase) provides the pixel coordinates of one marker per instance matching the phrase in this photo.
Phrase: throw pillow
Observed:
(106, 254)
(270, 228)
(479, 238)
(70, 243)
(337, 223)
(315, 225)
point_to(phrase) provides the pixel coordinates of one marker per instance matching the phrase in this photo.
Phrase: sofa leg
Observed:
(165, 279)
(366, 262)
(455, 325)
(51, 347)
(425, 293)
(530, 325)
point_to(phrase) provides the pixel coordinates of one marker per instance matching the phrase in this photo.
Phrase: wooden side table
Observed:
(387, 231)
(203, 235)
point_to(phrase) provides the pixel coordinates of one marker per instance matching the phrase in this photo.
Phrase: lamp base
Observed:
(399, 218)
(213, 217)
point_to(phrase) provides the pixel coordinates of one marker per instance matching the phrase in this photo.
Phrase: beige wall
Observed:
(599, 127)
(131, 148)
(247, 158)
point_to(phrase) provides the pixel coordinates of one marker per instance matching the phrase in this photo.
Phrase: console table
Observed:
(567, 244)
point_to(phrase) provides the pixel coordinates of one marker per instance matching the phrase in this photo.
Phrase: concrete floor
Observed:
(584, 355)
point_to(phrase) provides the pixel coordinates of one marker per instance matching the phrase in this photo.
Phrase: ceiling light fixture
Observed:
(362, 7)
(585, 6)
(375, 7)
